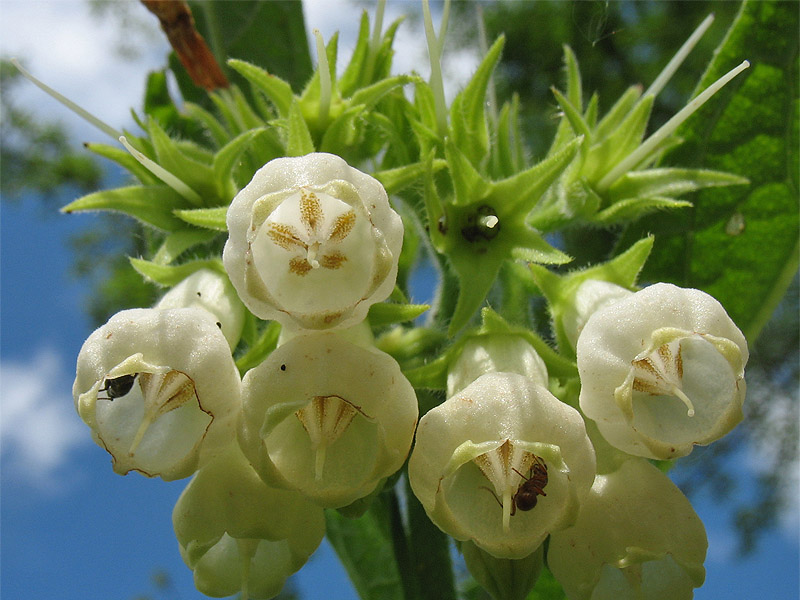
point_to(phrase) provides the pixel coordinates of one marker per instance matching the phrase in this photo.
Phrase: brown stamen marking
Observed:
(299, 266)
(311, 211)
(334, 260)
(342, 226)
(285, 236)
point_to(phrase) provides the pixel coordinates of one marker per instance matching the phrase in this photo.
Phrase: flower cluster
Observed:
(275, 373)
(313, 244)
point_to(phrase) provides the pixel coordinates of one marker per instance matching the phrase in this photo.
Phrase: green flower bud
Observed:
(661, 371)
(159, 389)
(313, 242)
(213, 292)
(327, 417)
(491, 354)
(636, 537)
(238, 534)
(502, 463)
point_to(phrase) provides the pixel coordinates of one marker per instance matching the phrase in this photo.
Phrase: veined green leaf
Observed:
(740, 243)
(151, 204)
(669, 182)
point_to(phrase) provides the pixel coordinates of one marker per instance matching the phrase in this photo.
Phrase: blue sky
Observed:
(71, 529)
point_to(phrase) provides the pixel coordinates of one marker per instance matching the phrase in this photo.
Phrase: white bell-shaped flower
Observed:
(502, 463)
(159, 389)
(239, 535)
(495, 353)
(591, 296)
(637, 537)
(327, 417)
(313, 242)
(210, 290)
(661, 371)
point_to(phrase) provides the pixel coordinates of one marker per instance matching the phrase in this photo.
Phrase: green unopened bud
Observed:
(636, 536)
(661, 371)
(327, 417)
(159, 389)
(239, 535)
(209, 290)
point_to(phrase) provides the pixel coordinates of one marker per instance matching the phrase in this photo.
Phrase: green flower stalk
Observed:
(159, 390)
(636, 537)
(661, 371)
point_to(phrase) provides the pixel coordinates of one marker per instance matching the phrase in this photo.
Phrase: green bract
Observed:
(662, 370)
(313, 242)
(327, 418)
(159, 389)
(475, 451)
(636, 537)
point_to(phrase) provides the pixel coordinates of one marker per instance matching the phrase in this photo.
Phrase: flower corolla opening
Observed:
(313, 242)
(327, 417)
(661, 371)
(159, 390)
(502, 463)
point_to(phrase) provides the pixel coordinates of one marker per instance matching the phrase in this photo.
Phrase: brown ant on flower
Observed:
(533, 485)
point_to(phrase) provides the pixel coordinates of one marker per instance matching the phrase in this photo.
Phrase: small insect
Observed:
(117, 387)
(533, 485)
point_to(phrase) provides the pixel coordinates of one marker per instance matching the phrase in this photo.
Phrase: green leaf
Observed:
(126, 160)
(631, 209)
(276, 89)
(395, 180)
(178, 242)
(172, 275)
(151, 204)
(299, 142)
(364, 546)
(740, 244)
(468, 110)
(198, 176)
(208, 218)
(669, 182)
(385, 313)
(226, 158)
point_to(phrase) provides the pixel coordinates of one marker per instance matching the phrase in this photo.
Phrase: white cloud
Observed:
(38, 424)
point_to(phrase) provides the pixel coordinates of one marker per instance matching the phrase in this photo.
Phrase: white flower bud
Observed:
(159, 389)
(327, 417)
(239, 535)
(502, 463)
(495, 353)
(591, 296)
(213, 292)
(313, 242)
(661, 371)
(636, 536)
